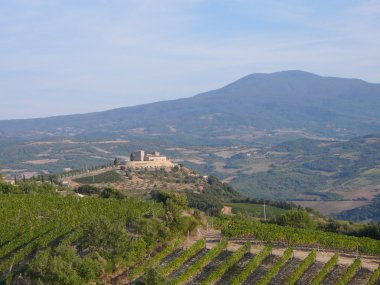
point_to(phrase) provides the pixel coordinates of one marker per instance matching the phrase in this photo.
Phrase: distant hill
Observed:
(307, 169)
(325, 106)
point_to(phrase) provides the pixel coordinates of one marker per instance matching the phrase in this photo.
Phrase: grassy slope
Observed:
(257, 210)
(106, 177)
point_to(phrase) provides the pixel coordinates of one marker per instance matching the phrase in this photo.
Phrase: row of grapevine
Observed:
(195, 268)
(351, 271)
(155, 260)
(276, 268)
(24, 238)
(33, 222)
(238, 227)
(69, 238)
(73, 236)
(374, 277)
(302, 268)
(188, 253)
(40, 242)
(235, 257)
(251, 266)
(325, 270)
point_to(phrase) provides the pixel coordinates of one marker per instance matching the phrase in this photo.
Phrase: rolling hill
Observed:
(324, 106)
(312, 170)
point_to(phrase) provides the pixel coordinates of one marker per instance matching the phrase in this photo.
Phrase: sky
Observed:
(76, 56)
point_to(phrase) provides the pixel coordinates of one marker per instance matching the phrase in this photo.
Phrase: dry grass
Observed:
(257, 167)
(112, 142)
(196, 160)
(362, 192)
(331, 207)
(41, 161)
(372, 140)
(138, 184)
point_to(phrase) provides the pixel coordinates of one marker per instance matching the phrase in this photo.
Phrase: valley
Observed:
(289, 135)
(306, 171)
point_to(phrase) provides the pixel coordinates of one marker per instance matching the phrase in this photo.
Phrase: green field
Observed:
(106, 177)
(256, 210)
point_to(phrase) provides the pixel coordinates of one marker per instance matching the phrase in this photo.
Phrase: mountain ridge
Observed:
(287, 99)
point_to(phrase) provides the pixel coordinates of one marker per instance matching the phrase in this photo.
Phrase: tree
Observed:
(298, 218)
(112, 241)
(111, 193)
(88, 190)
(7, 188)
(116, 162)
(63, 266)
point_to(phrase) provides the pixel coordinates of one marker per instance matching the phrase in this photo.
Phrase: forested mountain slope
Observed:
(289, 99)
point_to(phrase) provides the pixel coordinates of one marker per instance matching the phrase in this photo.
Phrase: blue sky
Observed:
(77, 56)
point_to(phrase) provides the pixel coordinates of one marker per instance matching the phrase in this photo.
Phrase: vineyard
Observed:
(84, 238)
(238, 227)
(243, 259)
(231, 263)
(49, 239)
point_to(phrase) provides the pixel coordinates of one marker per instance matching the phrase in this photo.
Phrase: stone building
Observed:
(140, 159)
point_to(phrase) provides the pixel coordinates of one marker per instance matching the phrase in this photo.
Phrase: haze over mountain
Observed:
(325, 106)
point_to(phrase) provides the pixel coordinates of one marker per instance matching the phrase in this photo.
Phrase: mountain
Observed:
(323, 106)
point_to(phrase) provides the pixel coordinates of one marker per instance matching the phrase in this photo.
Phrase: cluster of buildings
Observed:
(141, 159)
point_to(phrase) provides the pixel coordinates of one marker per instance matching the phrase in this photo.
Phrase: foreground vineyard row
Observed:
(126, 239)
(35, 225)
(230, 263)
